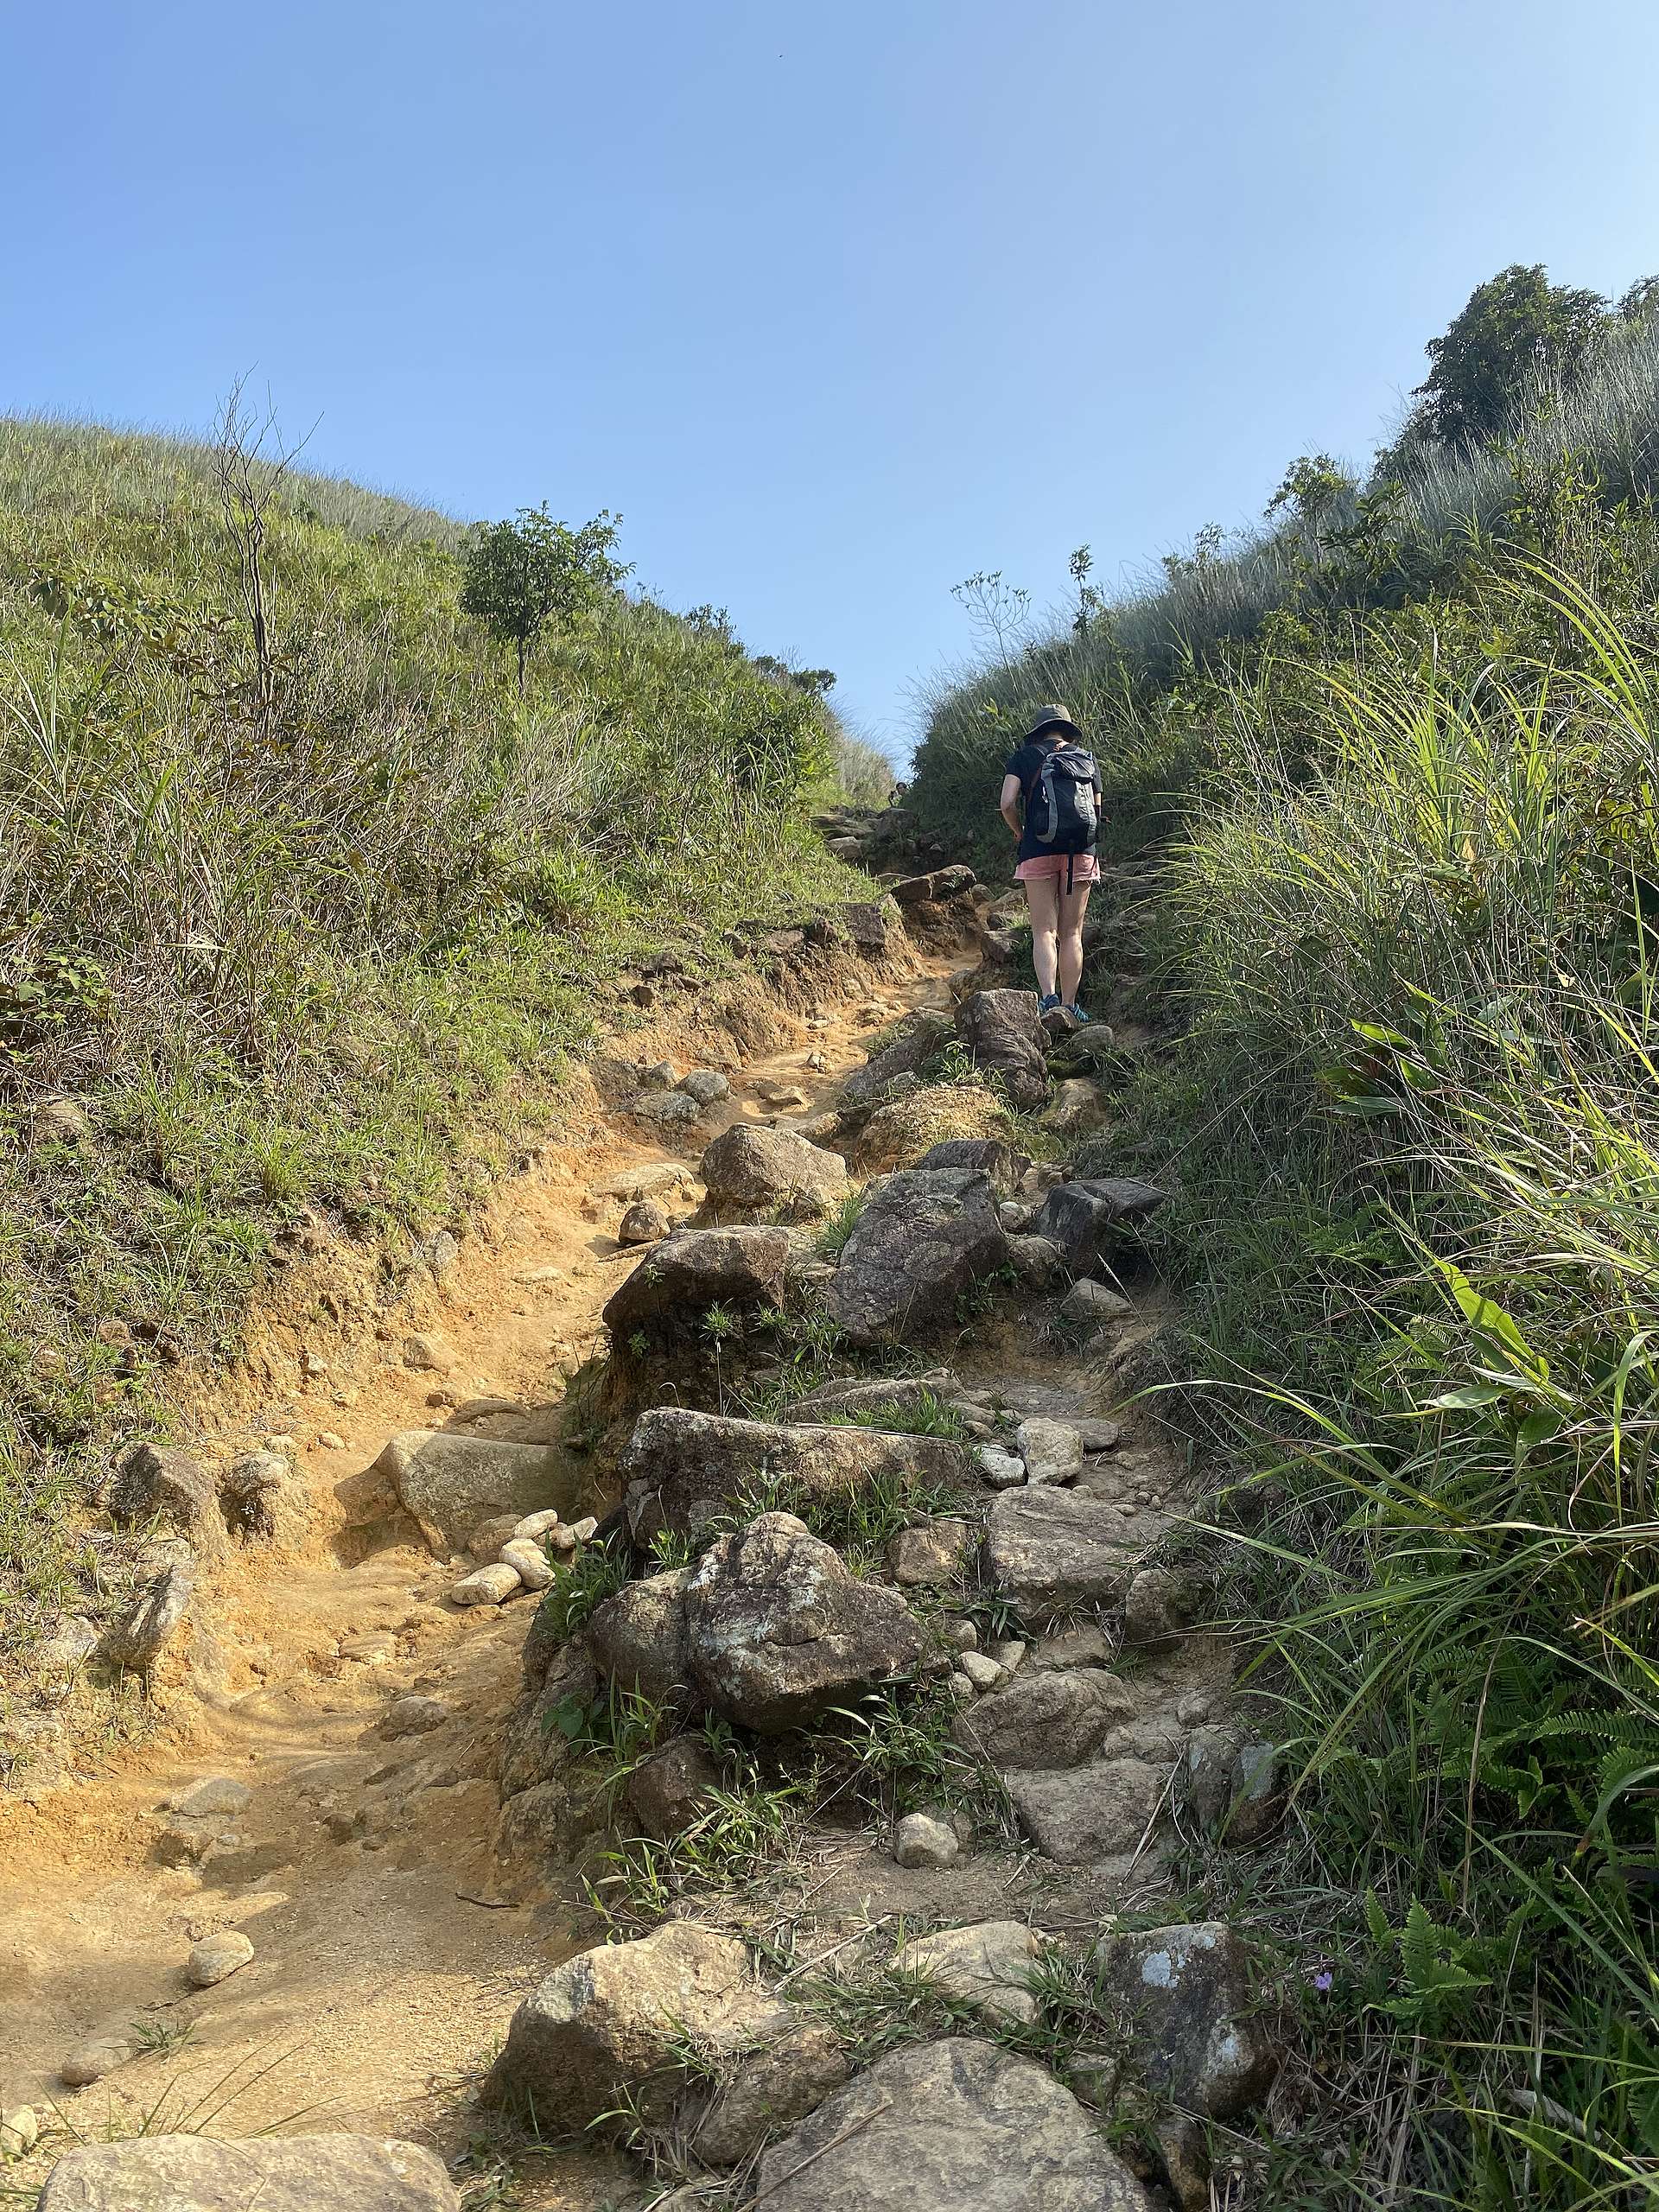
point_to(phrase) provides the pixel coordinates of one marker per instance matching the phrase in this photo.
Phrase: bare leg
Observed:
(1043, 901)
(1070, 919)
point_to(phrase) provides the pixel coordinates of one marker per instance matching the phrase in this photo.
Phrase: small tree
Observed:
(523, 575)
(1514, 324)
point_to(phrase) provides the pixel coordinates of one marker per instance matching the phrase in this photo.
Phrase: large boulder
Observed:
(989, 1156)
(638, 1637)
(682, 1469)
(535, 1747)
(1003, 1035)
(957, 2125)
(1197, 2031)
(450, 1483)
(155, 1485)
(779, 1632)
(768, 2090)
(906, 1130)
(1076, 1815)
(277, 2173)
(1083, 1217)
(905, 1055)
(612, 2023)
(758, 1174)
(876, 1394)
(1054, 1550)
(1046, 1719)
(664, 1300)
(144, 1630)
(924, 1238)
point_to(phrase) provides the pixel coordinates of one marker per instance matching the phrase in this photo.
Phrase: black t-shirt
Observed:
(1027, 764)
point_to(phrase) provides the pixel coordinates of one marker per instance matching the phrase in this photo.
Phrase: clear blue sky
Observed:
(836, 304)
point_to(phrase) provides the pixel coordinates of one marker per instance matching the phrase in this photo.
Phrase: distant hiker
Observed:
(1051, 801)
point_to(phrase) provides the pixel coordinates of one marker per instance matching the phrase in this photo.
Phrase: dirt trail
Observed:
(384, 1970)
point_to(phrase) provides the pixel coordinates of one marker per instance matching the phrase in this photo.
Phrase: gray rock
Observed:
(263, 1499)
(1077, 1107)
(770, 2089)
(921, 1038)
(1085, 1644)
(214, 1794)
(279, 2173)
(20, 2131)
(930, 1555)
(1232, 1784)
(645, 1222)
(779, 1632)
(1052, 1450)
(983, 1672)
(486, 1541)
(1052, 1551)
(1091, 1305)
(638, 1637)
(957, 2125)
(613, 2022)
(979, 1155)
(1004, 1037)
(216, 1958)
(99, 2056)
(771, 1174)
(1078, 1815)
(1038, 1261)
(486, 1585)
(534, 1747)
(139, 1637)
(988, 1966)
(1002, 1470)
(1014, 1216)
(1045, 1719)
(919, 1839)
(1158, 1608)
(923, 1239)
(664, 1299)
(673, 1788)
(450, 1484)
(682, 1468)
(529, 1560)
(708, 1086)
(874, 1393)
(668, 1109)
(1188, 1992)
(659, 1076)
(155, 1484)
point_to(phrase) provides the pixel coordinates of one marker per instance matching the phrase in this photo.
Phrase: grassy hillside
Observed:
(317, 933)
(1404, 776)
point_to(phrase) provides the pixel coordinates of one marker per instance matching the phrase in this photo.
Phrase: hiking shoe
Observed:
(1077, 1014)
(1048, 1003)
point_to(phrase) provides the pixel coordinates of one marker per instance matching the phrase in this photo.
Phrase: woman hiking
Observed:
(1051, 801)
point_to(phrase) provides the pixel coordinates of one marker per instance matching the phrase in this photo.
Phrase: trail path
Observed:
(378, 1984)
(387, 1963)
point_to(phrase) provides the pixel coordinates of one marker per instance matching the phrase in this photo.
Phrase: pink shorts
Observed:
(1084, 867)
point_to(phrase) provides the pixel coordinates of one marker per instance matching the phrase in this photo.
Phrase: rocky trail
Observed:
(801, 1847)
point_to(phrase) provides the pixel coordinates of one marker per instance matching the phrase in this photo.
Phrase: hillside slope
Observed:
(1397, 767)
(313, 927)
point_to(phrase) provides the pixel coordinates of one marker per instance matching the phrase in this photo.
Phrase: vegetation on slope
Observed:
(303, 899)
(1411, 909)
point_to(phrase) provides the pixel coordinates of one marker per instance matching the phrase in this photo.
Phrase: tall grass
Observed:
(326, 951)
(1415, 1127)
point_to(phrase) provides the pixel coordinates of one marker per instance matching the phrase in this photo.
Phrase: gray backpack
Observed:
(1062, 802)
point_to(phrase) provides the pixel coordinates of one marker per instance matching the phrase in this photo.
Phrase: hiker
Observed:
(1051, 801)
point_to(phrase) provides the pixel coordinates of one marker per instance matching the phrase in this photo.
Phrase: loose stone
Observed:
(217, 1957)
(919, 1839)
(529, 1561)
(487, 1585)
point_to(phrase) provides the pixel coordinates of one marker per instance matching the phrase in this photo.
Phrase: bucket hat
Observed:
(1052, 716)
